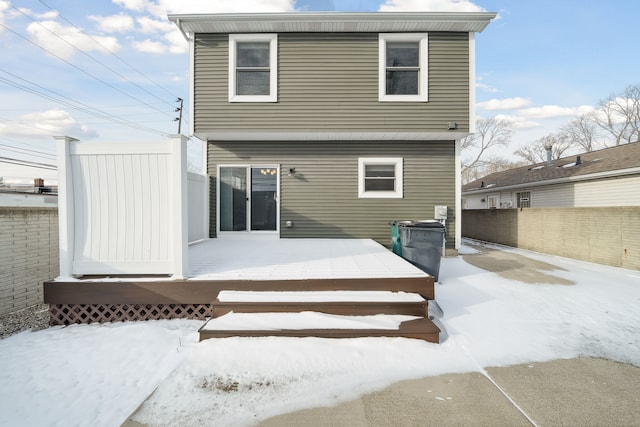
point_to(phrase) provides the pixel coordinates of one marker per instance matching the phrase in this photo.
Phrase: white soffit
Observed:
(338, 22)
(330, 136)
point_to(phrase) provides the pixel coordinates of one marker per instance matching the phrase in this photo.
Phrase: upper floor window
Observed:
(253, 67)
(403, 67)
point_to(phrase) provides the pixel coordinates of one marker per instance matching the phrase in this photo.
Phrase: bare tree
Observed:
(537, 152)
(632, 93)
(583, 132)
(619, 115)
(491, 165)
(490, 133)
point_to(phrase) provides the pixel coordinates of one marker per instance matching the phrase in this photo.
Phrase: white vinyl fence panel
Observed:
(198, 197)
(122, 207)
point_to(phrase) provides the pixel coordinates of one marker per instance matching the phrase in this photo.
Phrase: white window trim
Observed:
(273, 67)
(423, 92)
(396, 161)
(496, 198)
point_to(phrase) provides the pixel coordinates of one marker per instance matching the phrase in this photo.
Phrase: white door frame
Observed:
(248, 232)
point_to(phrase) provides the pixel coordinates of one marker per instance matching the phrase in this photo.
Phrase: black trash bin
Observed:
(422, 245)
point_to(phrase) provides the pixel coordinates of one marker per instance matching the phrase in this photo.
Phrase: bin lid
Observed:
(401, 222)
(431, 223)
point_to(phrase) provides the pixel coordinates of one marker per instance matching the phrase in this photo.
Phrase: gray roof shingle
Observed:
(606, 160)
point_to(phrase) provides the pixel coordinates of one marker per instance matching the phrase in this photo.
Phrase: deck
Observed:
(215, 265)
(254, 265)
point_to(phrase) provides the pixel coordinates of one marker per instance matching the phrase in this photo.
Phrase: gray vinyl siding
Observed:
(329, 82)
(614, 191)
(322, 197)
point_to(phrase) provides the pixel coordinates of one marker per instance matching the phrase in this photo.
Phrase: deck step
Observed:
(331, 307)
(262, 326)
(349, 303)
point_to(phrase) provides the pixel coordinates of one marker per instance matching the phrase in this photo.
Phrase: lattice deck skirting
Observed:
(66, 314)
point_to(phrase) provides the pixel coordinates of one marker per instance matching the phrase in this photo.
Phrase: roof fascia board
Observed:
(587, 177)
(310, 21)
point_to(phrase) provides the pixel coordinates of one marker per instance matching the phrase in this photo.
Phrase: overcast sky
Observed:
(119, 65)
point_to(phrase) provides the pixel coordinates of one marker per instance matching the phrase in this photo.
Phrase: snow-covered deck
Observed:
(215, 265)
(295, 259)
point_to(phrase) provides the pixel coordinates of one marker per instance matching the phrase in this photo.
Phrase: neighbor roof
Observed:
(372, 22)
(619, 160)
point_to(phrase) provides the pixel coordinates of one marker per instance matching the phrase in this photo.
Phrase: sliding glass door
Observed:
(248, 198)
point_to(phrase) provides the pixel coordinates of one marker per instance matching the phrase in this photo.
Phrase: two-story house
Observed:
(332, 124)
(320, 128)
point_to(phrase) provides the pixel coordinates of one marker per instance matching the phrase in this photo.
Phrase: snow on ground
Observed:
(98, 374)
(86, 374)
(304, 320)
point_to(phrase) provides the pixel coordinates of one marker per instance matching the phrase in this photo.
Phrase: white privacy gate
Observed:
(123, 207)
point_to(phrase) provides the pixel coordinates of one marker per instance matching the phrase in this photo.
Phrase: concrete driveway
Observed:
(575, 392)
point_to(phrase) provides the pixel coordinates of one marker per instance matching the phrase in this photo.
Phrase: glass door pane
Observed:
(264, 187)
(233, 199)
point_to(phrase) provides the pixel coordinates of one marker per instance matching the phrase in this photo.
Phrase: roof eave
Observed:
(332, 22)
(390, 136)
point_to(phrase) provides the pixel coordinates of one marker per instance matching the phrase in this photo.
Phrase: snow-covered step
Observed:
(331, 302)
(314, 324)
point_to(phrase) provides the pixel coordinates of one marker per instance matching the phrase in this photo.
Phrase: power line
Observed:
(60, 99)
(28, 152)
(22, 143)
(87, 110)
(110, 51)
(27, 163)
(76, 67)
(93, 58)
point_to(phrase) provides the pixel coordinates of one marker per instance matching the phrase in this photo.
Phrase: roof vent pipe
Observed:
(549, 154)
(578, 160)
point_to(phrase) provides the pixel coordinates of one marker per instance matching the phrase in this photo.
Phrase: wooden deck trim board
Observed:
(347, 308)
(423, 329)
(206, 291)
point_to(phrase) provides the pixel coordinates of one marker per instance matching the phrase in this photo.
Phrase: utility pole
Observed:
(179, 119)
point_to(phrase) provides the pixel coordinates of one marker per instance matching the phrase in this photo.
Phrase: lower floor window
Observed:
(524, 199)
(380, 177)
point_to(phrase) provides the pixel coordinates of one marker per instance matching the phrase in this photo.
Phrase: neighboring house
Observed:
(332, 124)
(20, 195)
(608, 177)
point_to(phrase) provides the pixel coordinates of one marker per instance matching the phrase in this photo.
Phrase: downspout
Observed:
(472, 129)
(190, 41)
